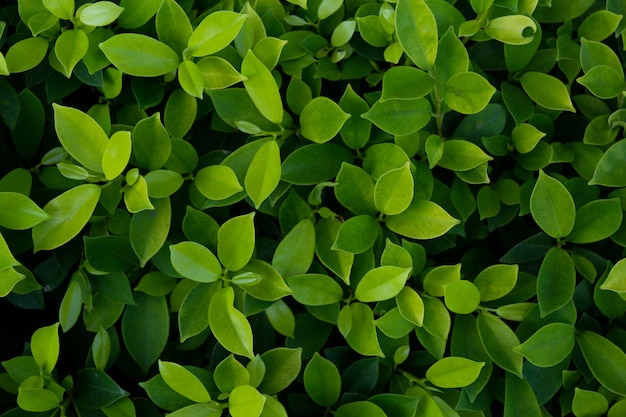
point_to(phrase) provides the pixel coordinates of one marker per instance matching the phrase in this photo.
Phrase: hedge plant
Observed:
(312, 207)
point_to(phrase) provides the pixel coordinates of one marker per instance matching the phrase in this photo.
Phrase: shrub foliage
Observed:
(312, 207)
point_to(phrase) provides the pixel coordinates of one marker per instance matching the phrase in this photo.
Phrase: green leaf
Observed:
(549, 345)
(525, 137)
(68, 214)
(598, 26)
(181, 110)
(453, 372)
(355, 131)
(411, 306)
(496, 281)
(461, 297)
(116, 155)
(382, 283)
(512, 29)
(355, 190)
(603, 81)
(140, 55)
(101, 13)
(547, 91)
(294, 253)
(81, 136)
(552, 206)
(71, 306)
(163, 183)
(149, 229)
(36, 399)
(218, 73)
(499, 340)
(393, 192)
(137, 12)
(26, 54)
(44, 345)
(271, 286)
(616, 280)
(63, 9)
(359, 408)
(400, 117)
(198, 410)
(69, 48)
(405, 83)
(263, 173)
(195, 262)
(322, 381)
(556, 281)
(101, 349)
(596, 220)
(151, 144)
(229, 374)
(109, 253)
(146, 328)
(193, 316)
(18, 212)
(235, 242)
(9, 278)
(191, 78)
(468, 92)
(214, 33)
(321, 119)
(229, 326)
(245, 401)
(95, 390)
(361, 334)
(589, 403)
(606, 361)
(416, 29)
(136, 196)
(183, 382)
(262, 88)
(315, 163)
(439, 276)
(519, 398)
(594, 53)
(422, 220)
(173, 26)
(217, 182)
(282, 368)
(315, 289)
(357, 234)
(462, 155)
(609, 170)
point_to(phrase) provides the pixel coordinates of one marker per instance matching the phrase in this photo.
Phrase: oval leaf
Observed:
(262, 88)
(547, 91)
(416, 29)
(382, 283)
(195, 262)
(552, 206)
(321, 119)
(422, 220)
(550, 345)
(140, 55)
(606, 361)
(453, 372)
(229, 326)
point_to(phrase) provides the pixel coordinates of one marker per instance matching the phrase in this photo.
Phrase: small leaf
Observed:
(525, 137)
(552, 206)
(229, 326)
(245, 401)
(361, 335)
(173, 26)
(68, 214)
(217, 182)
(616, 281)
(400, 117)
(496, 281)
(218, 73)
(69, 48)
(596, 220)
(462, 155)
(101, 13)
(416, 29)
(461, 297)
(191, 78)
(357, 234)
(405, 83)
(603, 82)
(149, 230)
(294, 253)
(549, 345)
(411, 306)
(511, 29)
(261, 87)
(195, 262)
(453, 372)
(271, 286)
(381, 283)
(547, 91)
(321, 119)
(422, 220)
(215, 32)
(18, 212)
(183, 382)
(282, 367)
(499, 340)
(44, 345)
(322, 381)
(235, 242)
(468, 92)
(606, 361)
(393, 192)
(315, 289)
(556, 281)
(140, 55)
(589, 403)
(609, 170)
(263, 173)
(116, 155)
(26, 54)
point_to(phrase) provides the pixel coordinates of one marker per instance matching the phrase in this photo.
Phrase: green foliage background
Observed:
(312, 207)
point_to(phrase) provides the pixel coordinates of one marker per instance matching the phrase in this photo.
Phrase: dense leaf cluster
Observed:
(310, 207)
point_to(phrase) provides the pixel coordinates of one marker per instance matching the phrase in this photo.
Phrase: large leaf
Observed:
(547, 91)
(44, 345)
(140, 55)
(68, 214)
(499, 340)
(19, 212)
(235, 241)
(606, 361)
(549, 345)
(609, 170)
(596, 220)
(556, 281)
(322, 381)
(215, 32)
